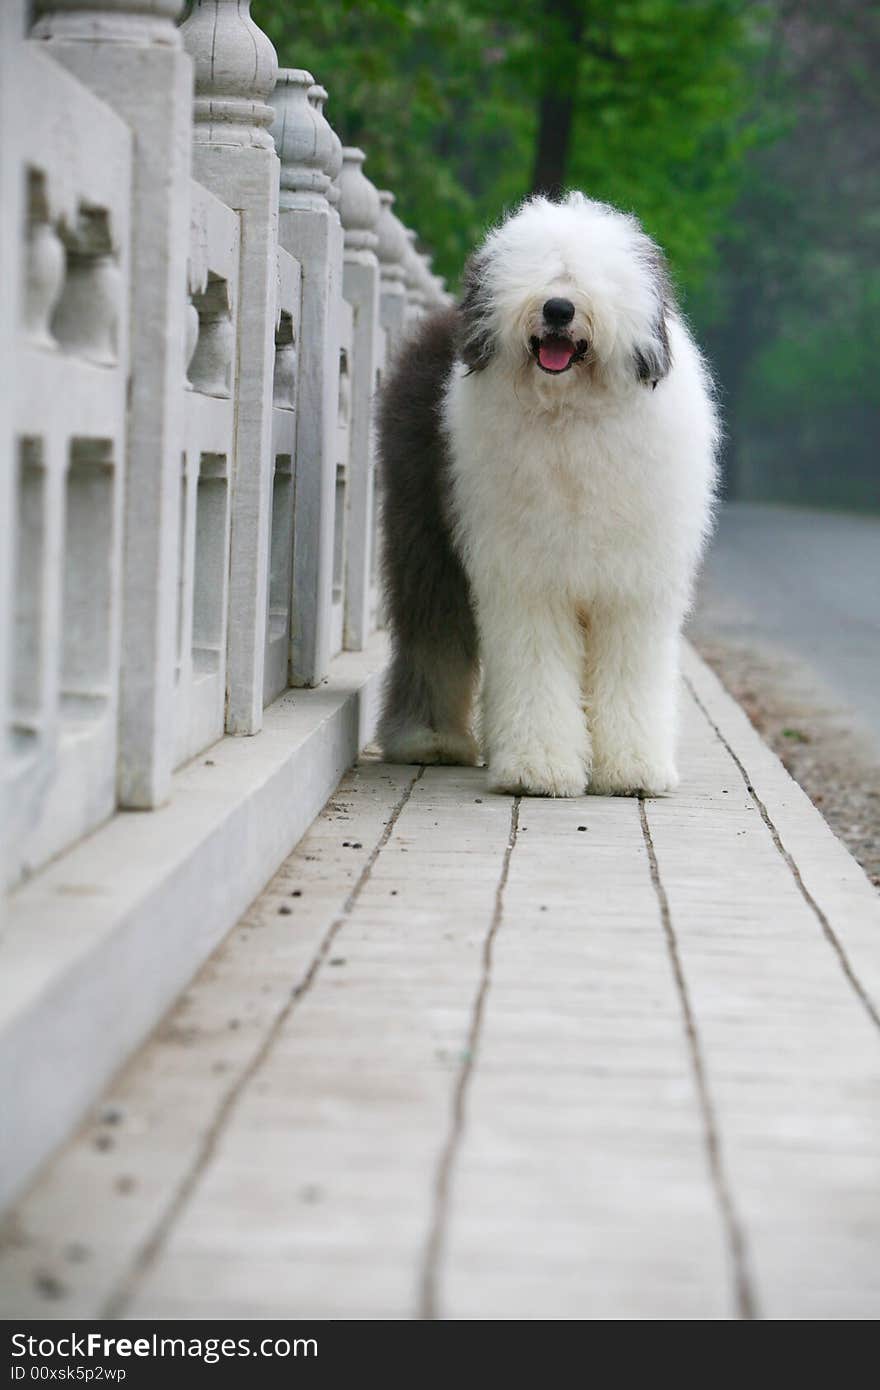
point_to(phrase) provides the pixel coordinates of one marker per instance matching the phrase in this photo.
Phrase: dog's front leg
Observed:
(631, 686)
(534, 726)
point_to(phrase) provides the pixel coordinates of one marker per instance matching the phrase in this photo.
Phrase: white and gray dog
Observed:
(547, 460)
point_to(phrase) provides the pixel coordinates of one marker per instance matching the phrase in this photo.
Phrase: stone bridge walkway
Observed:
(472, 1057)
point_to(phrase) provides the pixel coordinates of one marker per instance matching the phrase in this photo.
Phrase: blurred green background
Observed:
(746, 136)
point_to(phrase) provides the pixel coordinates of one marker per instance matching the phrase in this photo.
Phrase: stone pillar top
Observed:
(428, 278)
(235, 70)
(303, 139)
(392, 244)
(318, 99)
(359, 205)
(112, 21)
(413, 269)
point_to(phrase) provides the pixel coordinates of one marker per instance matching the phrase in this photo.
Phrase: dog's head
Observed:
(573, 291)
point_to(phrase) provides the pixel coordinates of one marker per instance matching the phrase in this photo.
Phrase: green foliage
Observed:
(826, 360)
(794, 313)
(660, 126)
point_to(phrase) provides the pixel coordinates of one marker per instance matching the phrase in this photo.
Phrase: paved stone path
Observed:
(476, 1057)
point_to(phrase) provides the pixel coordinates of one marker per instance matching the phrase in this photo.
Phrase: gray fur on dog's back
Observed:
(430, 684)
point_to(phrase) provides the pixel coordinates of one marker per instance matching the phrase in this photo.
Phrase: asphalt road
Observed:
(808, 581)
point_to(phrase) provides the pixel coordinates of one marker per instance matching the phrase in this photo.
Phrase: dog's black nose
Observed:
(558, 312)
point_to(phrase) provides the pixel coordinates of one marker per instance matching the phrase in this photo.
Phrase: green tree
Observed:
(458, 106)
(792, 318)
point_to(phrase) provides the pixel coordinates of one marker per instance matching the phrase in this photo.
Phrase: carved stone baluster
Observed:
(44, 279)
(192, 339)
(88, 314)
(234, 156)
(210, 370)
(360, 208)
(309, 228)
(284, 382)
(86, 320)
(129, 52)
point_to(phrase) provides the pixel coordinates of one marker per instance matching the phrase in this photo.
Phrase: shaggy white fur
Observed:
(581, 501)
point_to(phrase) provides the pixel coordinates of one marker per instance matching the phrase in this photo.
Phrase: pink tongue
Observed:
(555, 354)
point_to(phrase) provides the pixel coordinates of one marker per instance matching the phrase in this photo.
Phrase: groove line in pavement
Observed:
(733, 1229)
(118, 1302)
(435, 1247)
(827, 930)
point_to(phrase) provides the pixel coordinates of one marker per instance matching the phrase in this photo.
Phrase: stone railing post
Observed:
(309, 228)
(429, 285)
(359, 209)
(234, 156)
(413, 277)
(391, 250)
(441, 294)
(318, 98)
(129, 52)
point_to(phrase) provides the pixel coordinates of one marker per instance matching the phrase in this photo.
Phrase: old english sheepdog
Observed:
(547, 462)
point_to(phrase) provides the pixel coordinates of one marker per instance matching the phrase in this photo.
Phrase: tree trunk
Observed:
(562, 26)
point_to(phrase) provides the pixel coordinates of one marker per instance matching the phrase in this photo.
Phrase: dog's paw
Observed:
(631, 775)
(431, 746)
(535, 773)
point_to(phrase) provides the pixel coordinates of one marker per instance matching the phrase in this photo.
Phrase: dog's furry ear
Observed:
(652, 358)
(474, 341)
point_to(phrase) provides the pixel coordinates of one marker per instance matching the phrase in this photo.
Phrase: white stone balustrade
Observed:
(310, 230)
(283, 351)
(199, 291)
